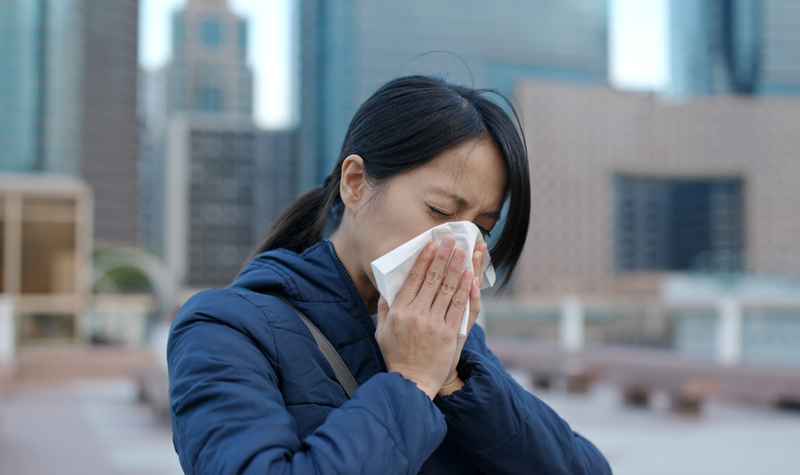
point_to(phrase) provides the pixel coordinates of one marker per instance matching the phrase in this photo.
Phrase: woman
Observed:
(250, 391)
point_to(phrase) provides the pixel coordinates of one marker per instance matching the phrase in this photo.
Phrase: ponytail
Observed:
(302, 223)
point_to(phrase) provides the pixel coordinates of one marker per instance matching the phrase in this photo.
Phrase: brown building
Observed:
(627, 187)
(45, 248)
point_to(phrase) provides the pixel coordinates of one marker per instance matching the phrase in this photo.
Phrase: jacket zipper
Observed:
(352, 284)
(365, 310)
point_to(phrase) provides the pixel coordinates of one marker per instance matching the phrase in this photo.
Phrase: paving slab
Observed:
(729, 439)
(97, 426)
(85, 427)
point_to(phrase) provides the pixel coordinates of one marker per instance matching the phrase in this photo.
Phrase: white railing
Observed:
(728, 329)
(7, 330)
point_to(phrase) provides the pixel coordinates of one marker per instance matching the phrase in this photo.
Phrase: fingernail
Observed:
(467, 275)
(430, 248)
(458, 254)
(448, 242)
(476, 284)
(478, 255)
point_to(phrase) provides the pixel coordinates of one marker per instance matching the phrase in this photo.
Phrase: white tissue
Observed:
(392, 269)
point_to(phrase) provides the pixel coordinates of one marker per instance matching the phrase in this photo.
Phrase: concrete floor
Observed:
(83, 428)
(96, 427)
(724, 439)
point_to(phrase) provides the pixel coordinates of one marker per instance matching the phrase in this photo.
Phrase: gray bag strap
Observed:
(340, 369)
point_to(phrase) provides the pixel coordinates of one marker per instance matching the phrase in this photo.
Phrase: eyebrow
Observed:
(458, 200)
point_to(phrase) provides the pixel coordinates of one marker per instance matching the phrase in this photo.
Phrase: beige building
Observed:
(45, 254)
(208, 71)
(588, 145)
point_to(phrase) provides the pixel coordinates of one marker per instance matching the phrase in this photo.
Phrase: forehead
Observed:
(473, 170)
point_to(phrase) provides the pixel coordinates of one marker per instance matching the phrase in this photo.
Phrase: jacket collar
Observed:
(315, 281)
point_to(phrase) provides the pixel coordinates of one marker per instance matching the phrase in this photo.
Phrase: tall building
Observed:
(734, 46)
(209, 199)
(68, 100)
(214, 182)
(208, 71)
(350, 47)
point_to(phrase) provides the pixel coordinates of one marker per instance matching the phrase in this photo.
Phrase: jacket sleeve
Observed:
(518, 432)
(228, 414)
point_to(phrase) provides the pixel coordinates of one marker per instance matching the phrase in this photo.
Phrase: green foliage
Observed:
(127, 280)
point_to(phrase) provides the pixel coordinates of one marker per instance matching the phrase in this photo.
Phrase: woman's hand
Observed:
(453, 382)
(419, 334)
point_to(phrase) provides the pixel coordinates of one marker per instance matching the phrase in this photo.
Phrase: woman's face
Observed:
(465, 182)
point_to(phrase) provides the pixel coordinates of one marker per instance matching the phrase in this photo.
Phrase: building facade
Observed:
(208, 71)
(217, 181)
(227, 183)
(350, 47)
(734, 46)
(45, 244)
(68, 100)
(628, 188)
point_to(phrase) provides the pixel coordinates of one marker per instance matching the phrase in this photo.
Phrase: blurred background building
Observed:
(68, 147)
(734, 47)
(350, 48)
(213, 180)
(631, 190)
(68, 101)
(45, 241)
(632, 195)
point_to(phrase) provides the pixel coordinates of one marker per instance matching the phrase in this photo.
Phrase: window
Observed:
(678, 224)
(210, 99)
(243, 35)
(177, 32)
(210, 34)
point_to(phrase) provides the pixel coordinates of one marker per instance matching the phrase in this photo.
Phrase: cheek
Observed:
(396, 226)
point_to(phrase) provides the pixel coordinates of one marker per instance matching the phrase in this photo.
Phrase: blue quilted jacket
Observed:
(250, 392)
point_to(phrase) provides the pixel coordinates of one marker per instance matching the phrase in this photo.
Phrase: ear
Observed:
(353, 185)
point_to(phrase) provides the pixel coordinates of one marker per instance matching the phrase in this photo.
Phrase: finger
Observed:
(416, 276)
(477, 258)
(450, 283)
(459, 301)
(484, 249)
(383, 311)
(474, 302)
(435, 274)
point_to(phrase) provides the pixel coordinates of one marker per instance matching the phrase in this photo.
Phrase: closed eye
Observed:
(439, 213)
(444, 215)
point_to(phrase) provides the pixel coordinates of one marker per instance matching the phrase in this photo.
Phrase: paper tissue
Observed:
(391, 269)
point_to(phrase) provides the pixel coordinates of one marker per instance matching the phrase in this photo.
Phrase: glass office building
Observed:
(350, 47)
(68, 100)
(734, 46)
(40, 57)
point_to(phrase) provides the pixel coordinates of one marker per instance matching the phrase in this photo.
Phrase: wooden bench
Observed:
(689, 382)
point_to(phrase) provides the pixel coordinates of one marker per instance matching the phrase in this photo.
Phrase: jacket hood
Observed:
(315, 275)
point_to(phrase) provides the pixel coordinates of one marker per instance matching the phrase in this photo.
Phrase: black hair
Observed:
(402, 126)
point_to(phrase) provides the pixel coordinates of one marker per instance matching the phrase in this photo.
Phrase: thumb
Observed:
(383, 310)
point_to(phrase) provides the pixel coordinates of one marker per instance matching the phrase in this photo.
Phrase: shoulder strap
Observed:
(340, 369)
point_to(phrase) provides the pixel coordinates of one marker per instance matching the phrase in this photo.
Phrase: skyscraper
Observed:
(734, 46)
(68, 100)
(350, 47)
(208, 71)
(215, 180)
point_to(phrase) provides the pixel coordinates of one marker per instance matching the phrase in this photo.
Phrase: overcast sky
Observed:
(637, 48)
